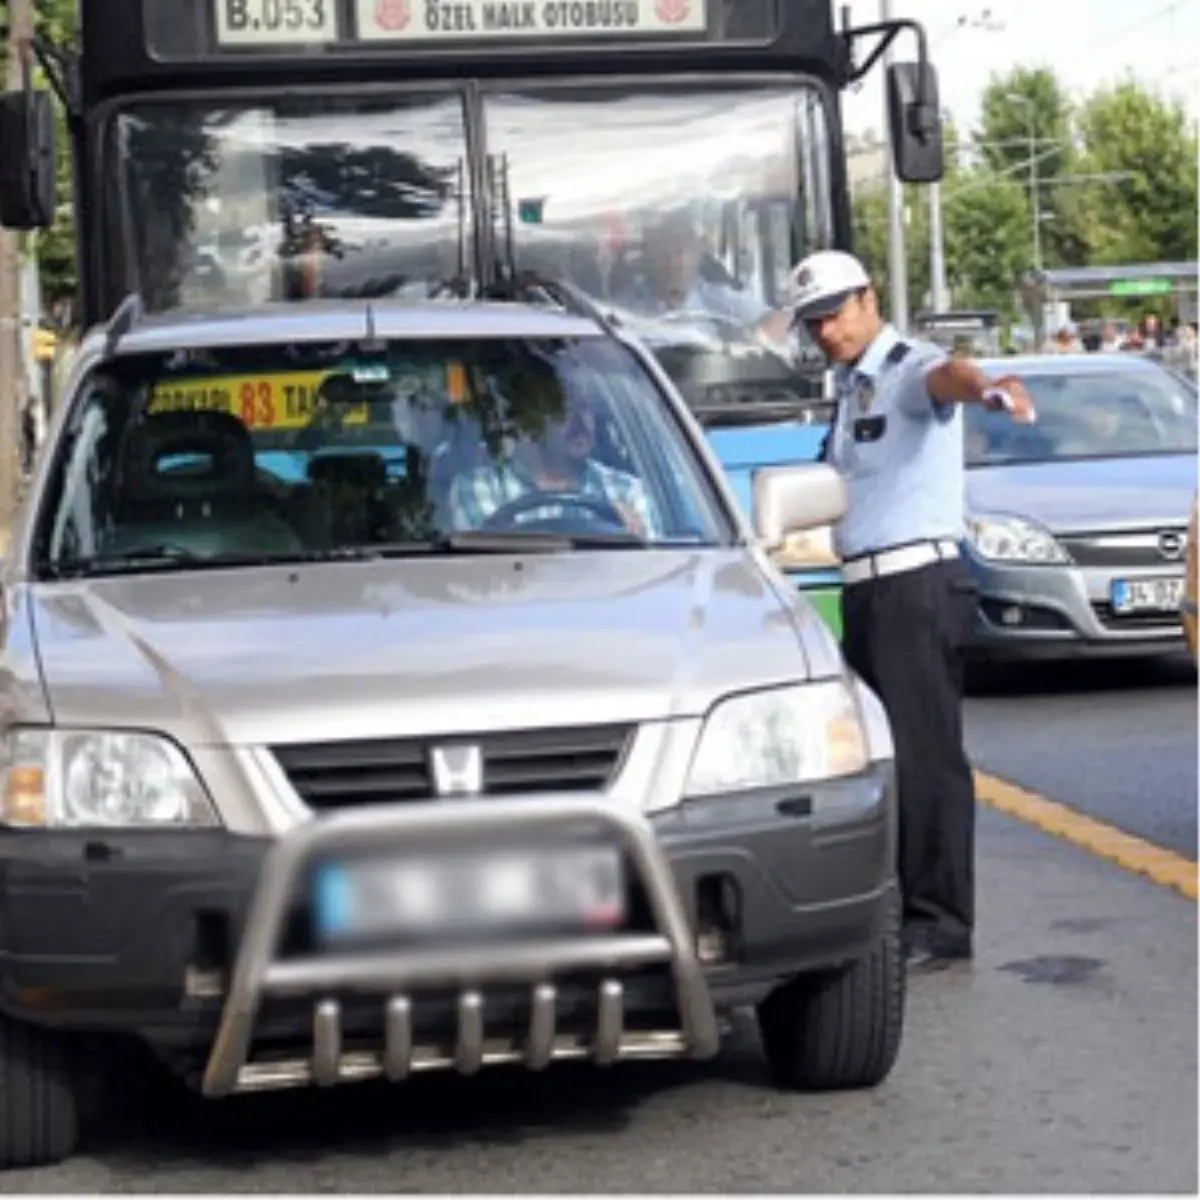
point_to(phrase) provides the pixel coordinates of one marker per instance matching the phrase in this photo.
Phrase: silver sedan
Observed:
(1077, 524)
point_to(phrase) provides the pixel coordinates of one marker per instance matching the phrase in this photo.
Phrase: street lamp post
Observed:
(1034, 200)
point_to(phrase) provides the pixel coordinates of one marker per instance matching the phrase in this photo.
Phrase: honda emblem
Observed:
(457, 770)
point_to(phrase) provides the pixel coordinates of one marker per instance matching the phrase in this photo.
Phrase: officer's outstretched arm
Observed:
(960, 381)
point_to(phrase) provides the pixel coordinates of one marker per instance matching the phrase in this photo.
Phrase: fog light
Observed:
(1013, 614)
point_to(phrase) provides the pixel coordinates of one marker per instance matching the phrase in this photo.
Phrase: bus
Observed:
(662, 163)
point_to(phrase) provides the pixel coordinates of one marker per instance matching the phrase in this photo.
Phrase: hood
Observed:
(419, 646)
(1089, 495)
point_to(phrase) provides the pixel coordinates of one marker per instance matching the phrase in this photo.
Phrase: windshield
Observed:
(683, 209)
(295, 198)
(1091, 414)
(296, 452)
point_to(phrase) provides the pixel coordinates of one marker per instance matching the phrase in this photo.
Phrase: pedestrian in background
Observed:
(907, 600)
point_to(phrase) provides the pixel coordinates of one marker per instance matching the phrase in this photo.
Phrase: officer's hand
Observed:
(1021, 407)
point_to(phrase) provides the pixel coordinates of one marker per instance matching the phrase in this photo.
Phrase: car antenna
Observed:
(126, 316)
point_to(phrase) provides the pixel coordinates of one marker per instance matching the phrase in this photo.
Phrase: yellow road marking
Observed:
(1164, 867)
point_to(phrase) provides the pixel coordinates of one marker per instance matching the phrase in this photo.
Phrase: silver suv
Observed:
(392, 688)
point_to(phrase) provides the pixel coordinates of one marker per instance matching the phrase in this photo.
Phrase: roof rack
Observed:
(126, 316)
(525, 285)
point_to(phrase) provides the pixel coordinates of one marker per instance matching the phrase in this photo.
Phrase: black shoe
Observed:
(934, 947)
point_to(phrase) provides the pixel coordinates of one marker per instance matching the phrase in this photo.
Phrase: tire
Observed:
(840, 1029)
(39, 1120)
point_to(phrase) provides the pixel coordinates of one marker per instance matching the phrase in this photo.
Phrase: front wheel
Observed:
(39, 1119)
(840, 1029)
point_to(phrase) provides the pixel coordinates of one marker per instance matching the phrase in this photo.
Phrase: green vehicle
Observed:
(234, 152)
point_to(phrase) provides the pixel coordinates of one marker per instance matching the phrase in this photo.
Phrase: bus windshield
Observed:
(681, 207)
(300, 197)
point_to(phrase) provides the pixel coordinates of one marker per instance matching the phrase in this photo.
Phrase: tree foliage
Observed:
(1150, 215)
(1147, 215)
(988, 235)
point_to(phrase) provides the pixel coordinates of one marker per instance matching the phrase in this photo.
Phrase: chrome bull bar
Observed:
(394, 975)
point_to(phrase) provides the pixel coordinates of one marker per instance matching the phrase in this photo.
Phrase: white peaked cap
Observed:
(822, 282)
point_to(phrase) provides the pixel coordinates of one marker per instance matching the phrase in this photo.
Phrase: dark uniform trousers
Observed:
(904, 635)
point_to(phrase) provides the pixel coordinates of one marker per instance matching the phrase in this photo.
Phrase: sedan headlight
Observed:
(1014, 540)
(786, 735)
(66, 779)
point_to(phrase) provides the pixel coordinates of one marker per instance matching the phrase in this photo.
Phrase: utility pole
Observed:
(897, 258)
(12, 359)
(937, 252)
(937, 247)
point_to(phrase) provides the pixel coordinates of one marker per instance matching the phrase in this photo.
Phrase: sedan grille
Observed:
(341, 774)
(1133, 548)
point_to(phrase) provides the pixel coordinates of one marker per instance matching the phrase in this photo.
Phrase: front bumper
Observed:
(194, 942)
(1029, 612)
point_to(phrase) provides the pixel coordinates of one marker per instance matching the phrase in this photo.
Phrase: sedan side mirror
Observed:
(790, 500)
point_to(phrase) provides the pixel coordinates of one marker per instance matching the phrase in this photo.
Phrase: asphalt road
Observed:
(1115, 740)
(1063, 1060)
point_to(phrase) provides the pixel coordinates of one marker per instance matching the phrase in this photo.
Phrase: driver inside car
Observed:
(559, 462)
(673, 283)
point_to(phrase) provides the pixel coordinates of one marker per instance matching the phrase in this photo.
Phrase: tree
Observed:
(1030, 103)
(870, 220)
(1149, 216)
(988, 239)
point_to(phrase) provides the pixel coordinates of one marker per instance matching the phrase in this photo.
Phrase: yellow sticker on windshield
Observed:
(456, 383)
(267, 402)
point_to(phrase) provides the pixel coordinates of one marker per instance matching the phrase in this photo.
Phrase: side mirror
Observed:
(28, 183)
(914, 114)
(790, 500)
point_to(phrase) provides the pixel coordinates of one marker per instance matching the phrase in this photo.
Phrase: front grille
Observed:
(342, 774)
(1124, 550)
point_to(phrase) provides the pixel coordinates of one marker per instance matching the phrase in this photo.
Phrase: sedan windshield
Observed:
(1089, 414)
(289, 453)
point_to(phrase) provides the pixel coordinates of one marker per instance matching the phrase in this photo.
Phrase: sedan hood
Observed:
(1089, 495)
(327, 651)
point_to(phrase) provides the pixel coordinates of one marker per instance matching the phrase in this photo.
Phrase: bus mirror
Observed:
(916, 124)
(28, 184)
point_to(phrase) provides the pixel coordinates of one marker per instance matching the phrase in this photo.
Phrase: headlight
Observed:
(785, 735)
(1015, 540)
(61, 779)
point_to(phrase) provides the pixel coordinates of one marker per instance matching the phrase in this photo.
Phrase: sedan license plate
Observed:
(1130, 597)
(502, 892)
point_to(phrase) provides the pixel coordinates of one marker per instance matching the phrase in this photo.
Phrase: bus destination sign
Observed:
(416, 20)
(246, 24)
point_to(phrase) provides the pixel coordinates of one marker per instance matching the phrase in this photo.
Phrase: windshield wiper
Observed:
(166, 557)
(506, 541)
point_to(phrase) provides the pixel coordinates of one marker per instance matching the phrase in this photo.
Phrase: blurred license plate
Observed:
(478, 893)
(1132, 596)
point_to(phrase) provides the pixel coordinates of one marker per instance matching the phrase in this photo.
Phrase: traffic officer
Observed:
(907, 600)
